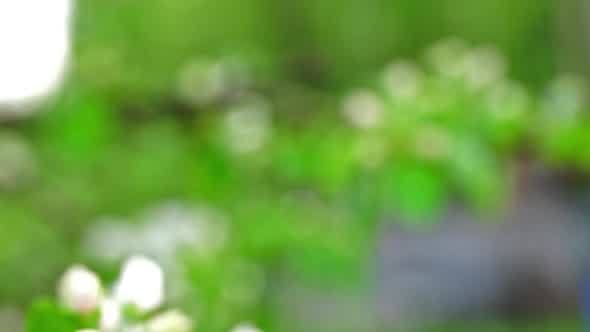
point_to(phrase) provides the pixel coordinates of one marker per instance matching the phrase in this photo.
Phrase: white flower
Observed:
(29, 29)
(483, 67)
(87, 330)
(164, 231)
(202, 82)
(207, 81)
(141, 284)
(110, 315)
(170, 321)
(363, 109)
(248, 125)
(246, 327)
(80, 289)
(446, 57)
(402, 80)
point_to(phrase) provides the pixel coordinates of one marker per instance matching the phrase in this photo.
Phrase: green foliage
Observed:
(137, 50)
(148, 115)
(78, 128)
(45, 316)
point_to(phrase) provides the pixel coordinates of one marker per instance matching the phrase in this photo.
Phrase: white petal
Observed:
(34, 39)
(80, 289)
(141, 284)
(170, 321)
(110, 315)
(246, 327)
(363, 109)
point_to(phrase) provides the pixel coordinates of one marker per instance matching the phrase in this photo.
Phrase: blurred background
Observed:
(333, 165)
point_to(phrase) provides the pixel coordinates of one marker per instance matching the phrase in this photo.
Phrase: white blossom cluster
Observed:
(140, 287)
(407, 98)
(161, 232)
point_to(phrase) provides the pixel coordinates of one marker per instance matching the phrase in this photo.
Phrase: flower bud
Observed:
(80, 289)
(141, 284)
(363, 109)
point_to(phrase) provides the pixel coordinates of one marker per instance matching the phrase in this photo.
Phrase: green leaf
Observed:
(46, 316)
(417, 192)
(79, 127)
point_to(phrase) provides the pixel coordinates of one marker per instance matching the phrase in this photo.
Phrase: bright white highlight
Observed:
(110, 315)
(80, 289)
(34, 46)
(141, 284)
(246, 327)
(170, 321)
